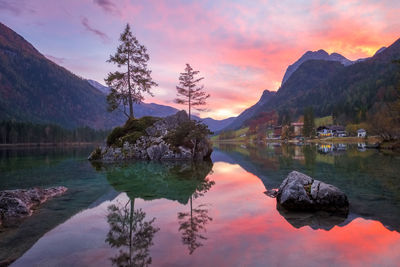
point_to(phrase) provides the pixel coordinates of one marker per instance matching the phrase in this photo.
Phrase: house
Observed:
(323, 131)
(332, 130)
(297, 128)
(338, 130)
(361, 133)
(277, 132)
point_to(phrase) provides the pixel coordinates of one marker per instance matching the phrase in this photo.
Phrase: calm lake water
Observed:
(209, 214)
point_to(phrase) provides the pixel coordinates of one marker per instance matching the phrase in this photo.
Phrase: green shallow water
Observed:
(209, 214)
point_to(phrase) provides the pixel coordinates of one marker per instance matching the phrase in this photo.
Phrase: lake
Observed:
(209, 214)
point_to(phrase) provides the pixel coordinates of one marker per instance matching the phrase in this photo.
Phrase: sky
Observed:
(240, 47)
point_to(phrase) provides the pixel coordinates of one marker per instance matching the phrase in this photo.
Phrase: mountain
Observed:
(380, 50)
(348, 92)
(250, 112)
(217, 125)
(33, 88)
(314, 55)
(104, 89)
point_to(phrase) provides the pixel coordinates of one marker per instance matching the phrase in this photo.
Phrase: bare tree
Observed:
(189, 92)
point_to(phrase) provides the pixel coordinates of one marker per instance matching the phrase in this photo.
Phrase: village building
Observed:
(338, 130)
(277, 132)
(324, 131)
(297, 128)
(361, 133)
(331, 131)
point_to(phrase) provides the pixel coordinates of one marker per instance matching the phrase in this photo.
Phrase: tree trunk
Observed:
(189, 102)
(130, 230)
(130, 101)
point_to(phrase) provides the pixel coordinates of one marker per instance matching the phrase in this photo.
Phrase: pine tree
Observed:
(189, 93)
(309, 125)
(128, 86)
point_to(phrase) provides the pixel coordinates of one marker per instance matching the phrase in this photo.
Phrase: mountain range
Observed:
(331, 84)
(321, 55)
(35, 89)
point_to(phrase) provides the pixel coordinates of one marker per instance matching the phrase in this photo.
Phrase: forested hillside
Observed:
(35, 89)
(26, 132)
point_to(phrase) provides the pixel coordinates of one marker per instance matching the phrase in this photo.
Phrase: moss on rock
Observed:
(131, 131)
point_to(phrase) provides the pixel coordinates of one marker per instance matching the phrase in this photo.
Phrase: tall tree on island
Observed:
(189, 92)
(128, 85)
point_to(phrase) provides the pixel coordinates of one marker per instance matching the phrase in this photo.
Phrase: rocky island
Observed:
(171, 138)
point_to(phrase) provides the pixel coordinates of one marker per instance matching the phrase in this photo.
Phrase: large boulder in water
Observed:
(299, 192)
(19, 203)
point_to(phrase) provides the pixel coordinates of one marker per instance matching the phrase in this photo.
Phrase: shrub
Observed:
(96, 154)
(187, 134)
(114, 135)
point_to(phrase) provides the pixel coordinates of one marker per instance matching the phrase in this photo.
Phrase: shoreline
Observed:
(67, 144)
(336, 140)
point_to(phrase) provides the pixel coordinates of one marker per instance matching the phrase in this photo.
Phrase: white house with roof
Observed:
(361, 133)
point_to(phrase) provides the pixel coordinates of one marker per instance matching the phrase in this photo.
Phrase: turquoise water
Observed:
(209, 214)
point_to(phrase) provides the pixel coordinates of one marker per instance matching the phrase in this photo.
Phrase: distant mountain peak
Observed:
(315, 55)
(320, 52)
(249, 112)
(380, 50)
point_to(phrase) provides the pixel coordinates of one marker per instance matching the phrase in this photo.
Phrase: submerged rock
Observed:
(158, 142)
(19, 203)
(299, 192)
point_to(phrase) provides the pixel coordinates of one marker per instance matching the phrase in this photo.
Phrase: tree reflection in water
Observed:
(193, 223)
(178, 181)
(131, 234)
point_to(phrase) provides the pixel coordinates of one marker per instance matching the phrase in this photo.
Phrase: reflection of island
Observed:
(154, 180)
(180, 181)
(193, 223)
(130, 234)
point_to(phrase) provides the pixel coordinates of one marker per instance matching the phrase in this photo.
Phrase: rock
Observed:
(19, 203)
(299, 192)
(155, 152)
(162, 127)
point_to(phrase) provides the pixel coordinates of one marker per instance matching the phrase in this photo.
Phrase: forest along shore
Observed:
(67, 144)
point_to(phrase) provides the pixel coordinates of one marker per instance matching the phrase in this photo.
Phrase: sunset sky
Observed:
(240, 47)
